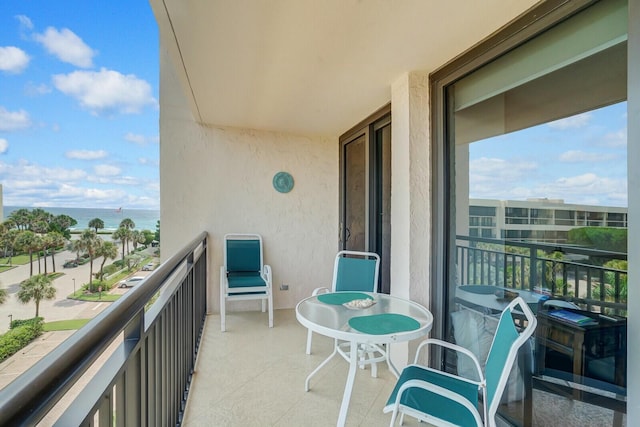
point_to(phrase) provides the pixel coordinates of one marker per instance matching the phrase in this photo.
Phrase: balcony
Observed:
(167, 363)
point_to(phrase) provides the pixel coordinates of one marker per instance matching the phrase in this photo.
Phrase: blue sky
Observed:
(581, 159)
(79, 104)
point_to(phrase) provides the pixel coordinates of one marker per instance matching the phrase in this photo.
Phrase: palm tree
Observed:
(96, 224)
(129, 225)
(121, 234)
(57, 240)
(26, 241)
(20, 218)
(75, 246)
(36, 288)
(138, 238)
(107, 250)
(90, 242)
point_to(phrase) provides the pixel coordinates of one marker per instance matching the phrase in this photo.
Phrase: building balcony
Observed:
(168, 363)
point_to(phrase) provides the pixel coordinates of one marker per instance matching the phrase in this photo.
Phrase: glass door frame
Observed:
(367, 128)
(536, 21)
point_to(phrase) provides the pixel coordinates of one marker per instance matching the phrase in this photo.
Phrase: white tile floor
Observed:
(252, 375)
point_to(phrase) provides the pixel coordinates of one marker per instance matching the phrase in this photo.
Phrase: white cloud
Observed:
(25, 22)
(4, 145)
(577, 156)
(615, 139)
(86, 154)
(33, 89)
(106, 91)
(148, 161)
(13, 120)
(67, 47)
(107, 170)
(135, 138)
(573, 122)
(13, 60)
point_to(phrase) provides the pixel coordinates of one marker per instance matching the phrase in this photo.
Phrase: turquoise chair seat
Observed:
(245, 280)
(432, 403)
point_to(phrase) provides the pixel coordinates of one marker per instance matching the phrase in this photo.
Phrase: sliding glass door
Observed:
(535, 147)
(365, 196)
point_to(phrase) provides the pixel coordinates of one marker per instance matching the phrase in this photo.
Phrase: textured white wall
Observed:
(410, 196)
(220, 180)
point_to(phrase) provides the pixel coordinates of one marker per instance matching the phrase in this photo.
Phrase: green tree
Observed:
(62, 224)
(603, 238)
(122, 235)
(106, 250)
(75, 246)
(129, 225)
(132, 261)
(158, 230)
(8, 241)
(56, 240)
(36, 288)
(21, 218)
(27, 241)
(96, 224)
(137, 238)
(148, 237)
(90, 242)
(3, 296)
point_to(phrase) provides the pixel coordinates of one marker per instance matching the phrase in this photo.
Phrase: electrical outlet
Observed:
(284, 287)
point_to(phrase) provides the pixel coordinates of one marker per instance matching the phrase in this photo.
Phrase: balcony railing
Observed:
(145, 380)
(572, 273)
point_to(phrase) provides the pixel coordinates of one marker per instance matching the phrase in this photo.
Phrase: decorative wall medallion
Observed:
(283, 182)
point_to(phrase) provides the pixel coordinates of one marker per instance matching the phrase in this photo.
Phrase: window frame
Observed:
(532, 23)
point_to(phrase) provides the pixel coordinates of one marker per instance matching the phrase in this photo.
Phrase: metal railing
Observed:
(145, 380)
(575, 274)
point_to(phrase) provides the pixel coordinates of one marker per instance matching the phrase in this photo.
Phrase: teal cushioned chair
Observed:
(354, 271)
(244, 276)
(444, 399)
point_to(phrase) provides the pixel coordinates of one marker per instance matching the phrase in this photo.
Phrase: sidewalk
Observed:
(28, 356)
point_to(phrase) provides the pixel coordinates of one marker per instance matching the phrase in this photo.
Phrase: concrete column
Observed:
(410, 195)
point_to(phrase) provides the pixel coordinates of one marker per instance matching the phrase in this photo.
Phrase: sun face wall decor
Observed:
(283, 182)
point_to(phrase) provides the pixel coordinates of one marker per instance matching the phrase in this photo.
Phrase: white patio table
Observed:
(388, 320)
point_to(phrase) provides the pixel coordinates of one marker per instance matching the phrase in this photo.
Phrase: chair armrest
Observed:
(440, 391)
(266, 274)
(451, 346)
(317, 291)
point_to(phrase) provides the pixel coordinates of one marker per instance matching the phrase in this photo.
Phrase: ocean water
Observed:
(144, 219)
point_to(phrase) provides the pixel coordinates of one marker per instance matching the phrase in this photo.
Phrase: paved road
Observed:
(60, 308)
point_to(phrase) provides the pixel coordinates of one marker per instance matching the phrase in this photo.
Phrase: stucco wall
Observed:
(220, 180)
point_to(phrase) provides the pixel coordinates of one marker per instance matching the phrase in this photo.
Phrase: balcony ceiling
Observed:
(310, 66)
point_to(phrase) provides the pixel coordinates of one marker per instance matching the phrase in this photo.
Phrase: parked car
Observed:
(70, 263)
(148, 267)
(131, 281)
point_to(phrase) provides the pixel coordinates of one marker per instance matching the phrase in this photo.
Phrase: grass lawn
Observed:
(81, 296)
(65, 325)
(6, 267)
(17, 260)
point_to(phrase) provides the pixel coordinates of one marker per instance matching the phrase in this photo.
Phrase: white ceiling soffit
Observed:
(311, 66)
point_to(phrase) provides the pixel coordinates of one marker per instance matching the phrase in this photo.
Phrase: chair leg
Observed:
(270, 310)
(309, 337)
(222, 299)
